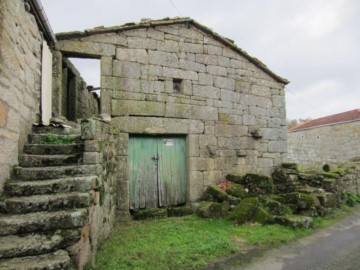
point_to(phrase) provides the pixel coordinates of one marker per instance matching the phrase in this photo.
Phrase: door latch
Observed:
(155, 158)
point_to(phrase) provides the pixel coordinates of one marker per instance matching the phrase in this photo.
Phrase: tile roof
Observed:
(168, 21)
(348, 116)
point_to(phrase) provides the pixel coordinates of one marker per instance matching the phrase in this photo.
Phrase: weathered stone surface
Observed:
(53, 202)
(213, 209)
(130, 107)
(85, 48)
(58, 260)
(132, 55)
(294, 221)
(48, 160)
(36, 244)
(51, 149)
(163, 59)
(44, 173)
(42, 221)
(126, 69)
(62, 185)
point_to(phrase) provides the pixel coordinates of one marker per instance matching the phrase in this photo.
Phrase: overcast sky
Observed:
(315, 44)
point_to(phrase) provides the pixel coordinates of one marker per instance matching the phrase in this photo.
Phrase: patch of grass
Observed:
(183, 243)
(172, 243)
(57, 139)
(191, 242)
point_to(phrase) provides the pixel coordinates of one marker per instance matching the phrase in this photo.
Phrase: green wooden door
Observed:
(157, 171)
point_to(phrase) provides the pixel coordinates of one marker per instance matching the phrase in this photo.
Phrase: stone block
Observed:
(190, 33)
(126, 69)
(193, 142)
(166, 59)
(237, 63)
(201, 164)
(204, 113)
(223, 61)
(205, 140)
(132, 55)
(196, 185)
(168, 46)
(108, 38)
(211, 49)
(106, 66)
(154, 125)
(141, 43)
(188, 75)
(277, 146)
(216, 70)
(224, 83)
(91, 146)
(206, 91)
(176, 110)
(128, 95)
(85, 48)
(92, 158)
(191, 47)
(131, 107)
(190, 65)
(205, 79)
(155, 34)
(207, 59)
(171, 72)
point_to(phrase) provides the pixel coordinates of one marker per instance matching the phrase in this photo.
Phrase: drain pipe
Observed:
(42, 19)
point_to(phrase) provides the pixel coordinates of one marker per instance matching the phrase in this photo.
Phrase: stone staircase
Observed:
(46, 203)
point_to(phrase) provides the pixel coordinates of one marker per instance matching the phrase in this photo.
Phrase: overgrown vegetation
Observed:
(57, 139)
(191, 242)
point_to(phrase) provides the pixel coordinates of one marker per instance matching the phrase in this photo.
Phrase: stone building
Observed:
(331, 139)
(176, 83)
(180, 107)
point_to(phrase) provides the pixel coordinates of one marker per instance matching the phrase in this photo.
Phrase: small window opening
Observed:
(177, 85)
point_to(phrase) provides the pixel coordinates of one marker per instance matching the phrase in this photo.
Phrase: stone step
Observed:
(46, 138)
(35, 244)
(53, 149)
(49, 160)
(42, 221)
(47, 173)
(62, 185)
(58, 260)
(41, 203)
(57, 130)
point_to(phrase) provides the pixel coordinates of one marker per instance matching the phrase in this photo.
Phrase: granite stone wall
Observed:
(177, 79)
(20, 81)
(327, 144)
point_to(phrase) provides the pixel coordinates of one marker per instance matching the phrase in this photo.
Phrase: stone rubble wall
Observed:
(325, 145)
(231, 111)
(351, 180)
(100, 149)
(20, 81)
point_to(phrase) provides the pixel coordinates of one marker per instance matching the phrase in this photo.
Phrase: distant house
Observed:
(331, 139)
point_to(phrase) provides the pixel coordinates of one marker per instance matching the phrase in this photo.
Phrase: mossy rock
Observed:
(262, 216)
(258, 184)
(214, 194)
(277, 208)
(151, 213)
(301, 200)
(311, 212)
(213, 209)
(237, 191)
(179, 211)
(245, 210)
(289, 165)
(234, 178)
(293, 208)
(294, 221)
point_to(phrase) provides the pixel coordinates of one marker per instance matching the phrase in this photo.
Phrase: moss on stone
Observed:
(301, 200)
(234, 178)
(262, 216)
(214, 194)
(258, 184)
(245, 210)
(294, 221)
(213, 209)
(277, 208)
(289, 165)
(151, 213)
(179, 211)
(238, 191)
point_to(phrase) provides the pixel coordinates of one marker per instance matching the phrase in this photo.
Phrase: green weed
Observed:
(57, 139)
